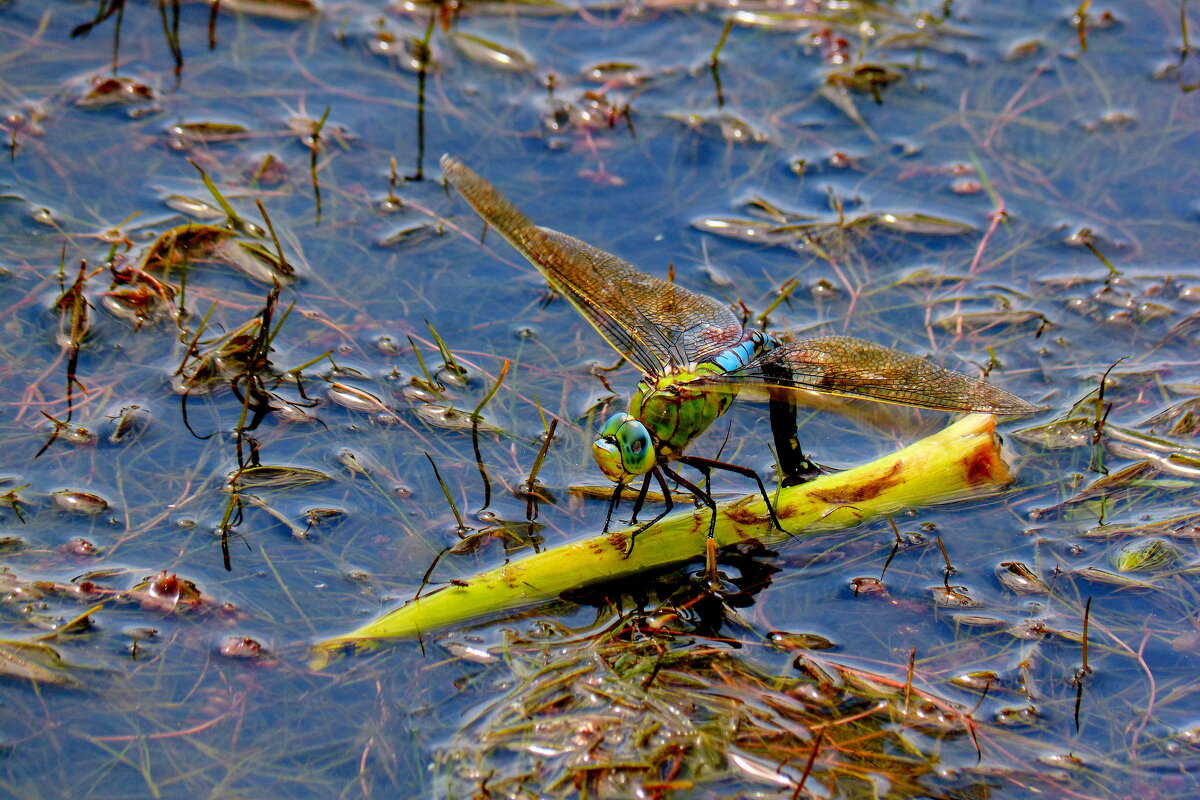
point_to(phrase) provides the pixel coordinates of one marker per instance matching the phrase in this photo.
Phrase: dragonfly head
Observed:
(624, 448)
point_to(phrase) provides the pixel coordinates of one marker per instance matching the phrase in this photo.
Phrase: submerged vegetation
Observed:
(261, 385)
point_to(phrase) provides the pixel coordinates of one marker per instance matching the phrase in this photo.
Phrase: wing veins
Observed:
(540, 249)
(654, 322)
(841, 365)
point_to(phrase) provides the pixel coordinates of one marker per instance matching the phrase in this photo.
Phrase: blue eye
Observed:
(624, 448)
(613, 424)
(637, 447)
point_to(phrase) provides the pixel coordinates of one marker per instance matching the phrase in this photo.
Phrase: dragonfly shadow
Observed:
(684, 593)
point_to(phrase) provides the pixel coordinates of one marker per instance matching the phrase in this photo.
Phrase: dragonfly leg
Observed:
(641, 498)
(669, 504)
(613, 502)
(710, 555)
(705, 470)
(706, 465)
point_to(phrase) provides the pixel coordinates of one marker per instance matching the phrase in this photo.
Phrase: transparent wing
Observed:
(651, 321)
(694, 325)
(841, 365)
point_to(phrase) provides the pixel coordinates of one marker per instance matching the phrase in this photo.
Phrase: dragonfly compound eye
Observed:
(624, 448)
(612, 425)
(607, 449)
(637, 448)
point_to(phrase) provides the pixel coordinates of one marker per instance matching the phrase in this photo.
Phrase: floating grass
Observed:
(314, 153)
(531, 487)
(448, 360)
(475, 419)
(446, 491)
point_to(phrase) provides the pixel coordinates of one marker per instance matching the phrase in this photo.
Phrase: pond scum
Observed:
(255, 393)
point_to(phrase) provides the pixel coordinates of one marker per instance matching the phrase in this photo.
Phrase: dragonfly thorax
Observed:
(670, 409)
(679, 406)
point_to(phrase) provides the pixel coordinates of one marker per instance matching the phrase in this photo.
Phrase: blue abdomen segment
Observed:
(754, 345)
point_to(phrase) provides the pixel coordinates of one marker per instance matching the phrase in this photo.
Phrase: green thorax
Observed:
(675, 410)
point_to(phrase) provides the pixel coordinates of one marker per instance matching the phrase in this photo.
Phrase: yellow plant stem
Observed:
(963, 460)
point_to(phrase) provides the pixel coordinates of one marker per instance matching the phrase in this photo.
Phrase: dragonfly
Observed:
(697, 356)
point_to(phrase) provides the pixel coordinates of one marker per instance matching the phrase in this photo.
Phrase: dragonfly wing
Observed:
(841, 365)
(694, 326)
(653, 322)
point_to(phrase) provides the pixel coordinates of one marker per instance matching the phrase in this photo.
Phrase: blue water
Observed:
(1065, 140)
